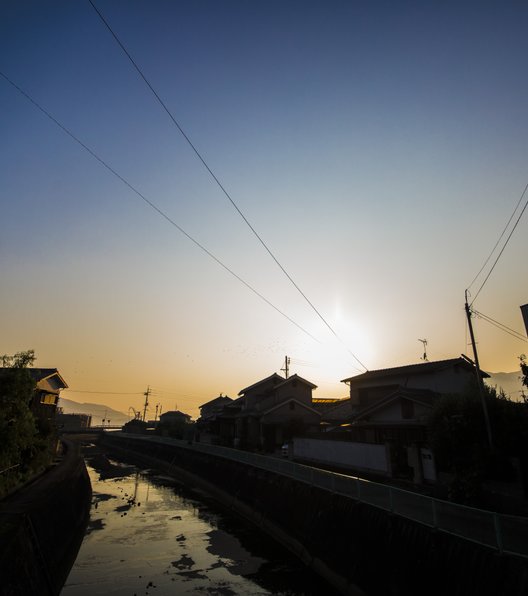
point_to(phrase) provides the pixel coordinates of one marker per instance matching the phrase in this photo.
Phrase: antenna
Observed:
(286, 368)
(424, 357)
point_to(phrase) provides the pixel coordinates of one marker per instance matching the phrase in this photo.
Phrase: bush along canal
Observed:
(148, 534)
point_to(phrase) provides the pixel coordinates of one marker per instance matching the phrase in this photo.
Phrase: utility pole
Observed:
(424, 357)
(480, 381)
(286, 368)
(146, 394)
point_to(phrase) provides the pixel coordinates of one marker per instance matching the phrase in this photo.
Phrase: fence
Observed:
(504, 533)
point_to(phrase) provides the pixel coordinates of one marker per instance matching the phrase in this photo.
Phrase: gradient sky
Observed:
(378, 148)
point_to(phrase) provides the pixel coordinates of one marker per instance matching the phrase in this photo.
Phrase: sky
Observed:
(377, 148)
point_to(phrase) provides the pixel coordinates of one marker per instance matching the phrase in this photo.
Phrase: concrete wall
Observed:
(342, 454)
(42, 527)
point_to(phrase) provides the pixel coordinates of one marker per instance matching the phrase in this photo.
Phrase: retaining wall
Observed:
(42, 527)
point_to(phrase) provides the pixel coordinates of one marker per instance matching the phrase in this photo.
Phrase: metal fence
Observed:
(504, 533)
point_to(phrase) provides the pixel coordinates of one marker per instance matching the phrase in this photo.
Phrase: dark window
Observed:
(292, 405)
(407, 409)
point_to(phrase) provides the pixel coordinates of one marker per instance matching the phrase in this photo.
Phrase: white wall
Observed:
(345, 454)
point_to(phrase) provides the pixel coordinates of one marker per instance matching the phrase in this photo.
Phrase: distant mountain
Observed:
(509, 382)
(96, 411)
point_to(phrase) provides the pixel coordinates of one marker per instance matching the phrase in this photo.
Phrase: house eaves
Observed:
(422, 397)
(287, 401)
(267, 379)
(298, 379)
(414, 369)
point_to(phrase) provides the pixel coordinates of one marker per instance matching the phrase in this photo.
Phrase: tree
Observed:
(22, 449)
(524, 376)
(457, 432)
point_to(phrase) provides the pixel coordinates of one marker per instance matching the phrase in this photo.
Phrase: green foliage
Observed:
(21, 444)
(458, 436)
(524, 375)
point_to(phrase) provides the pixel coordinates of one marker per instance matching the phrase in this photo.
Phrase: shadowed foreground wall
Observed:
(42, 527)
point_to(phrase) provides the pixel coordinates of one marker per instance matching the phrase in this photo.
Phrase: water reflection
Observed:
(150, 535)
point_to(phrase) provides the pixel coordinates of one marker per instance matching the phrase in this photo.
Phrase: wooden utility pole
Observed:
(480, 381)
(286, 368)
(146, 394)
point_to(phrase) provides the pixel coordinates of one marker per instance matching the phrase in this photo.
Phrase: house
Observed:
(175, 424)
(443, 376)
(391, 407)
(174, 416)
(214, 424)
(48, 384)
(272, 410)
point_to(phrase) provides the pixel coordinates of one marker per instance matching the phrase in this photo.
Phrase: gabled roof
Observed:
(39, 374)
(423, 397)
(416, 369)
(275, 377)
(217, 400)
(296, 378)
(174, 414)
(287, 401)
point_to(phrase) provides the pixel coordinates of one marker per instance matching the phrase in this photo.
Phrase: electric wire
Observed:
(505, 244)
(155, 207)
(217, 181)
(104, 392)
(500, 326)
(500, 237)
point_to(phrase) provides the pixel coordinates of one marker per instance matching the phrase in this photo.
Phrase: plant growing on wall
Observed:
(23, 449)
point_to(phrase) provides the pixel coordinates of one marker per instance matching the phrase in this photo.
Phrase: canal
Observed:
(150, 535)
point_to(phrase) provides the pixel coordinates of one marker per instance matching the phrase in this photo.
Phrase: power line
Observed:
(216, 179)
(500, 237)
(505, 243)
(500, 326)
(104, 392)
(153, 206)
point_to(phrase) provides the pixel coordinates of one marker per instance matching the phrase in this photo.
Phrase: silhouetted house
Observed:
(273, 410)
(174, 424)
(215, 424)
(391, 407)
(48, 384)
(442, 376)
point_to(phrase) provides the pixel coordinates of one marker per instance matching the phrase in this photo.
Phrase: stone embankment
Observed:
(42, 526)
(358, 548)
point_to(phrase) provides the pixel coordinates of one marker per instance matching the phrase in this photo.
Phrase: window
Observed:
(292, 405)
(48, 398)
(407, 409)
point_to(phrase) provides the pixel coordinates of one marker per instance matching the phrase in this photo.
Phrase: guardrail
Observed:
(10, 468)
(504, 533)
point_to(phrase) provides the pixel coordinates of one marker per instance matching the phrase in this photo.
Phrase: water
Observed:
(149, 535)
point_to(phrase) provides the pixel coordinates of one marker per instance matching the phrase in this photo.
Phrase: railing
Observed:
(10, 468)
(504, 533)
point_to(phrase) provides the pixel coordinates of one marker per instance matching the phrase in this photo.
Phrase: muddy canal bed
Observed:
(150, 535)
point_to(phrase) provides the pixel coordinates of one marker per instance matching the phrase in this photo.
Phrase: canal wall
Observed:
(358, 548)
(42, 526)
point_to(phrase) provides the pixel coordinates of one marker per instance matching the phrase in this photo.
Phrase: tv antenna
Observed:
(424, 357)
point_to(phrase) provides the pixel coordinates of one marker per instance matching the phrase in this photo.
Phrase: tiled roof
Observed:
(274, 376)
(415, 369)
